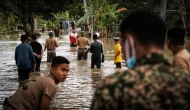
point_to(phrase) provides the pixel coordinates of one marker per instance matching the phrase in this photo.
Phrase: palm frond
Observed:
(114, 7)
(83, 19)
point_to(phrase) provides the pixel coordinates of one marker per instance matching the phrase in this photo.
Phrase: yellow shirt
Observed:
(119, 57)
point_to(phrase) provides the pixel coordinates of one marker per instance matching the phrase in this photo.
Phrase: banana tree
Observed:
(61, 16)
(103, 14)
(97, 5)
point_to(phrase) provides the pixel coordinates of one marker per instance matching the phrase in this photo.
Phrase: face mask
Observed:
(131, 60)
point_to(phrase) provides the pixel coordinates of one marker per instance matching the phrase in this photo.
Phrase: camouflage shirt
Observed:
(154, 84)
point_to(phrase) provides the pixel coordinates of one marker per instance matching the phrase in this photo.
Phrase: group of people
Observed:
(68, 25)
(28, 57)
(96, 48)
(84, 46)
(29, 53)
(150, 83)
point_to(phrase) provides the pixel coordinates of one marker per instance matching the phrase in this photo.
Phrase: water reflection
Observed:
(96, 76)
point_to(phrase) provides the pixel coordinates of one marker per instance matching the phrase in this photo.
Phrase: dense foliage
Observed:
(26, 10)
(106, 13)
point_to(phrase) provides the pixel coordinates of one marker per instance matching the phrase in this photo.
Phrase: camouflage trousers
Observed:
(50, 55)
(81, 54)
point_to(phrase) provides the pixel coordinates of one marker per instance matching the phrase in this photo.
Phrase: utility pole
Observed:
(92, 20)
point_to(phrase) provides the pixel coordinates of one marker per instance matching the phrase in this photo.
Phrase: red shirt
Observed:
(73, 37)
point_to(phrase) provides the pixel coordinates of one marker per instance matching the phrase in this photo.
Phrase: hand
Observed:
(39, 56)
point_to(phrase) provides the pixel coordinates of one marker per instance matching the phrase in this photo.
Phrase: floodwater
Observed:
(77, 91)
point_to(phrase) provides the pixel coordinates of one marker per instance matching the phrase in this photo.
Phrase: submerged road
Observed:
(78, 89)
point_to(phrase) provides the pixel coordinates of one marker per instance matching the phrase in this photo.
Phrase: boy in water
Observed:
(117, 53)
(37, 95)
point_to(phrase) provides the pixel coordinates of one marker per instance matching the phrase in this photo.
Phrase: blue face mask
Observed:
(131, 62)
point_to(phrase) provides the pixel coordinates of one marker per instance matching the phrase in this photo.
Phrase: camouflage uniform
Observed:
(50, 55)
(82, 54)
(152, 85)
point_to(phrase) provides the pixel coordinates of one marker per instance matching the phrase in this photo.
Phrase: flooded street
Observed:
(76, 92)
(78, 89)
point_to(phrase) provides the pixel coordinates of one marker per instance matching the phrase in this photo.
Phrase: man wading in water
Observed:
(51, 45)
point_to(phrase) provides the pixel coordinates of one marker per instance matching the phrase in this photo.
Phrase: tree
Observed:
(187, 16)
(85, 10)
(26, 10)
(163, 9)
(22, 9)
(103, 13)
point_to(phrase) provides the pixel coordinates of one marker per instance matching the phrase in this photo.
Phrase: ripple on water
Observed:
(78, 89)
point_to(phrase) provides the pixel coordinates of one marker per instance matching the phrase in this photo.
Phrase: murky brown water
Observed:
(77, 91)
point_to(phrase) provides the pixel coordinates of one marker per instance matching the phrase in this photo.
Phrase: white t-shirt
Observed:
(74, 35)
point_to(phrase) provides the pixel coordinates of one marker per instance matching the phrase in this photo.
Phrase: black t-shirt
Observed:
(56, 32)
(72, 23)
(96, 49)
(36, 47)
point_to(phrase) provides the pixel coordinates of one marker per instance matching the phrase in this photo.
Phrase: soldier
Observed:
(151, 83)
(175, 42)
(83, 44)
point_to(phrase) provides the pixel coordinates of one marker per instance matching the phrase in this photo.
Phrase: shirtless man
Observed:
(51, 45)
